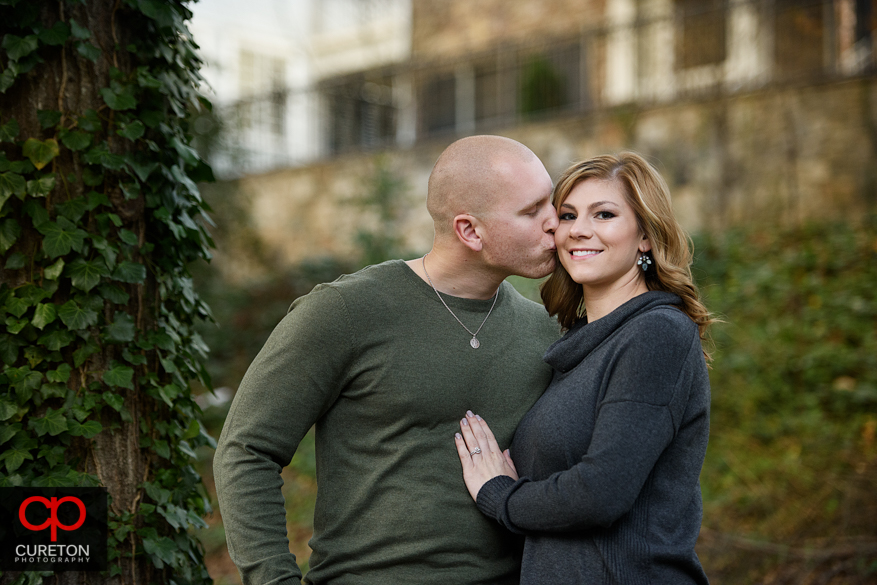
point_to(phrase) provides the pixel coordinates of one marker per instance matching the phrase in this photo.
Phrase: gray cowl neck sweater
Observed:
(610, 455)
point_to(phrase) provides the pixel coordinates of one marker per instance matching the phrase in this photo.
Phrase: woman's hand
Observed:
(480, 454)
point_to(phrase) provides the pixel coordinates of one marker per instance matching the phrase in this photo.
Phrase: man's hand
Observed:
(480, 454)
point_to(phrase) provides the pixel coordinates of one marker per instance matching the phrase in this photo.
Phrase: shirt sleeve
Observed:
(645, 400)
(293, 381)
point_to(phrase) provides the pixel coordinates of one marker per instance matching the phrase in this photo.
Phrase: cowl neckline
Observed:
(583, 337)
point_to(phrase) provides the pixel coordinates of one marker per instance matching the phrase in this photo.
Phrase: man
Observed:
(386, 362)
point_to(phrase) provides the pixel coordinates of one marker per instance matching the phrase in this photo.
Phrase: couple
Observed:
(607, 434)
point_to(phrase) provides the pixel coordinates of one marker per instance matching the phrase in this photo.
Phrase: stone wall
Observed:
(772, 158)
(451, 28)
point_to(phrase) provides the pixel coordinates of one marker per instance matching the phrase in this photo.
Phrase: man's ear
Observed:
(466, 228)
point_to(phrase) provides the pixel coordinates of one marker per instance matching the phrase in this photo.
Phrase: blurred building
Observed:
(299, 80)
(766, 106)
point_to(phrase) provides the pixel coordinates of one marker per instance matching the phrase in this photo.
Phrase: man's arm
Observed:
(293, 381)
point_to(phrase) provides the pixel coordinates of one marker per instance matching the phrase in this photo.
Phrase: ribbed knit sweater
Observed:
(610, 455)
(386, 373)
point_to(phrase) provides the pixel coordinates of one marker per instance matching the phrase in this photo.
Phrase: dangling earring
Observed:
(644, 261)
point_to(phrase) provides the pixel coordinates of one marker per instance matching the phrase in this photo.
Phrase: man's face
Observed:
(518, 235)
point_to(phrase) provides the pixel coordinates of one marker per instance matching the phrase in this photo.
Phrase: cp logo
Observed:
(53, 521)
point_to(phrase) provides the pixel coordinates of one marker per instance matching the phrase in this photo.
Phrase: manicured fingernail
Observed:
(478, 417)
(469, 413)
(458, 435)
(465, 422)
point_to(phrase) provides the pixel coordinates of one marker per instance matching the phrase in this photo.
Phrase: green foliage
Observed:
(794, 384)
(542, 87)
(72, 264)
(383, 197)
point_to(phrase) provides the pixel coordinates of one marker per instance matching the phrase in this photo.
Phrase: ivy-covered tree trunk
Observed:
(99, 218)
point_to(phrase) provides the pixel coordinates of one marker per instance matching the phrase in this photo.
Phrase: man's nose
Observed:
(551, 222)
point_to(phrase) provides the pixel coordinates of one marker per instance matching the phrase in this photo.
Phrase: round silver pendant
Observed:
(474, 343)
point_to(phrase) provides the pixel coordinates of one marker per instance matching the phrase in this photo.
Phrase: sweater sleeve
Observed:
(294, 379)
(646, 396)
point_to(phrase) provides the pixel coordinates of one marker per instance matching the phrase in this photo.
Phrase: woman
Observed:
(609, 457)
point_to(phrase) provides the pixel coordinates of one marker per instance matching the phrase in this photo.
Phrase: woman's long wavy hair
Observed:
(648, 195)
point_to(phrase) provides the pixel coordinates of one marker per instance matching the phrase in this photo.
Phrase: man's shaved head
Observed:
(471, 175)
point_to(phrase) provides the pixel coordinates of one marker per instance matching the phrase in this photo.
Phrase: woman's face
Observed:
(598, 239)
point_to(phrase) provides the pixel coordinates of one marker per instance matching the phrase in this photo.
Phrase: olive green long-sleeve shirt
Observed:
(386, 373)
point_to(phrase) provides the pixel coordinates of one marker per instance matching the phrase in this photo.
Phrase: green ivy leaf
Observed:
(86, 274)
(61, 375)
(114, 400)
(162, 548)
(9, 232)
(54, 423)
(18, 47)
(113, 294)
(130, 272)
(53, 391)
(9, 131)
(161, 447)
(17, 306)
(57, 339)
(90, 122)
(128, 237)
(122, 328)
(48, 118)
(74, 139)
(42, 186)
(9, 345)
(91, 178)
(14, 457)
(73, 209)
(7, 409)
(54, 271)
(118, 101)
(44, 314)
(76, 317)
(16, 261)
(40, 153)
(88, 51)
(100, 155)
(61, 237)
(34, 355)
(132, 131)
(14, 326)
(87, 430)
(136, 359)
(142, 169)
(11, 184)
(8, 431)
(7, 78)
(79, 31)
(121, 376)
(36, 209)
(169, 393)
(80, 355)
(57, 35)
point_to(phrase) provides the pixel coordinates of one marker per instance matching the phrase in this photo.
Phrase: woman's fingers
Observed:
(469, 437)
(463, 451)
(488, 437)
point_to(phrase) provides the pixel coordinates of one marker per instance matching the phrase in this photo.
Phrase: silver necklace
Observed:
(474, 341)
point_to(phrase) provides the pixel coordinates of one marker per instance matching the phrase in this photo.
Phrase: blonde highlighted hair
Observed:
(648, 195)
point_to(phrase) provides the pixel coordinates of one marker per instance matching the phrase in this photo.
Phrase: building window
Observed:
(262, 107)
(701, 33)
(361, 114)
(438, 104)
(799, 37)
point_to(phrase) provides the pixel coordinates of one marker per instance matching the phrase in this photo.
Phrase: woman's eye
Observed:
(605, 215)
(566, 216)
